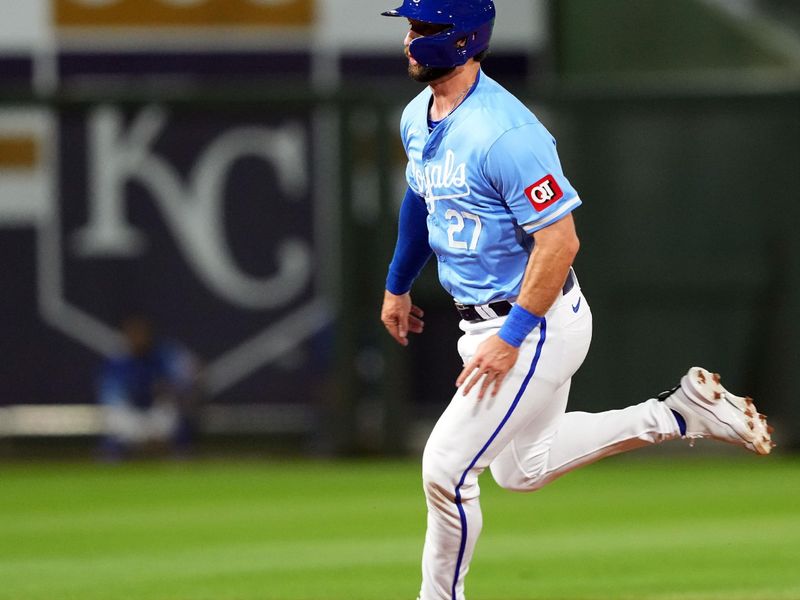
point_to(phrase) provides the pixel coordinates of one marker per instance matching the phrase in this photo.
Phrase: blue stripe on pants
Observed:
(462, 514)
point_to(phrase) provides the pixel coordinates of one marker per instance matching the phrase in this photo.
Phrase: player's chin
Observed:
(423, 74)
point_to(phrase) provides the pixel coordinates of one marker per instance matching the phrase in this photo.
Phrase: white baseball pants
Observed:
(523, 435)
(132, 425)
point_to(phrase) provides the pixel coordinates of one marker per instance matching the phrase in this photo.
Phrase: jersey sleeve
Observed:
(405, 137)
(523, 166)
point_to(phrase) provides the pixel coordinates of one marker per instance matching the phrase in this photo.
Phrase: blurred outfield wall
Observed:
(246, 199)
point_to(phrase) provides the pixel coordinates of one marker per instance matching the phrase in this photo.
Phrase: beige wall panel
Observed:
(18, 152)
(180, 13)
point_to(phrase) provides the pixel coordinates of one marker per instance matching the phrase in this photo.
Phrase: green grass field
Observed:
(629, 528)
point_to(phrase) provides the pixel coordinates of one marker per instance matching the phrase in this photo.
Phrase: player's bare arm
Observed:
(400, 316)
(553, 254)
(555, 249)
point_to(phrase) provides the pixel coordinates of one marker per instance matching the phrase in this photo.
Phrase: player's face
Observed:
(417, 71)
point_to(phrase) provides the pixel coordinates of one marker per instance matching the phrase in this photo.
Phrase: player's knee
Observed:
(514, 482)
(439, 477)
(512, 478)
(436, 476)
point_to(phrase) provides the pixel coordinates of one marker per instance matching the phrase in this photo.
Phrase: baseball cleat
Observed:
(711, 411)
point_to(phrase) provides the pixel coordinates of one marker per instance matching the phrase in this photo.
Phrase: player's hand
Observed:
(400, 316)
(492, 361)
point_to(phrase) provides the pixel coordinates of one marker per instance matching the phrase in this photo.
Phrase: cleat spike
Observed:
(770, 429)
(717, 379)
(717, 396)
(701, 377)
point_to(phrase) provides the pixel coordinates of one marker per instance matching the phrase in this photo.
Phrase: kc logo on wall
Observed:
(203, 219)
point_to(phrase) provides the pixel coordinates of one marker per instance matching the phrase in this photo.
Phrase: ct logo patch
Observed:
(544, 193)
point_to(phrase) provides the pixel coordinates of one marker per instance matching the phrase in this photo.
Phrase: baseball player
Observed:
(488, 199)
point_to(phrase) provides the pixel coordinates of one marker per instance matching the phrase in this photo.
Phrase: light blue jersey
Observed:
(490, 176)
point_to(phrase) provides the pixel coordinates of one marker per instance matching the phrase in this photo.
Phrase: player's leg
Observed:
(468, 437)
(555, 442)
(558, 442)
(125, 428)
(162, 421)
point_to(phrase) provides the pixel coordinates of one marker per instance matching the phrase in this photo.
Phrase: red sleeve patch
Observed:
(544, 193)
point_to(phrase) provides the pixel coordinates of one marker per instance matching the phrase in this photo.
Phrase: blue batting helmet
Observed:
(470, 28)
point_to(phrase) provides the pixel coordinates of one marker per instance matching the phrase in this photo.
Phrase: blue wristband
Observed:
(519, 323)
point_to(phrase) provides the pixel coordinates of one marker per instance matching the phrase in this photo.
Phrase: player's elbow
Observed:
(559, 239)
(564, 247)
(572, 246)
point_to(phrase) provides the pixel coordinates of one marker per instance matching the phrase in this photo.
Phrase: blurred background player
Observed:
(148, 393)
